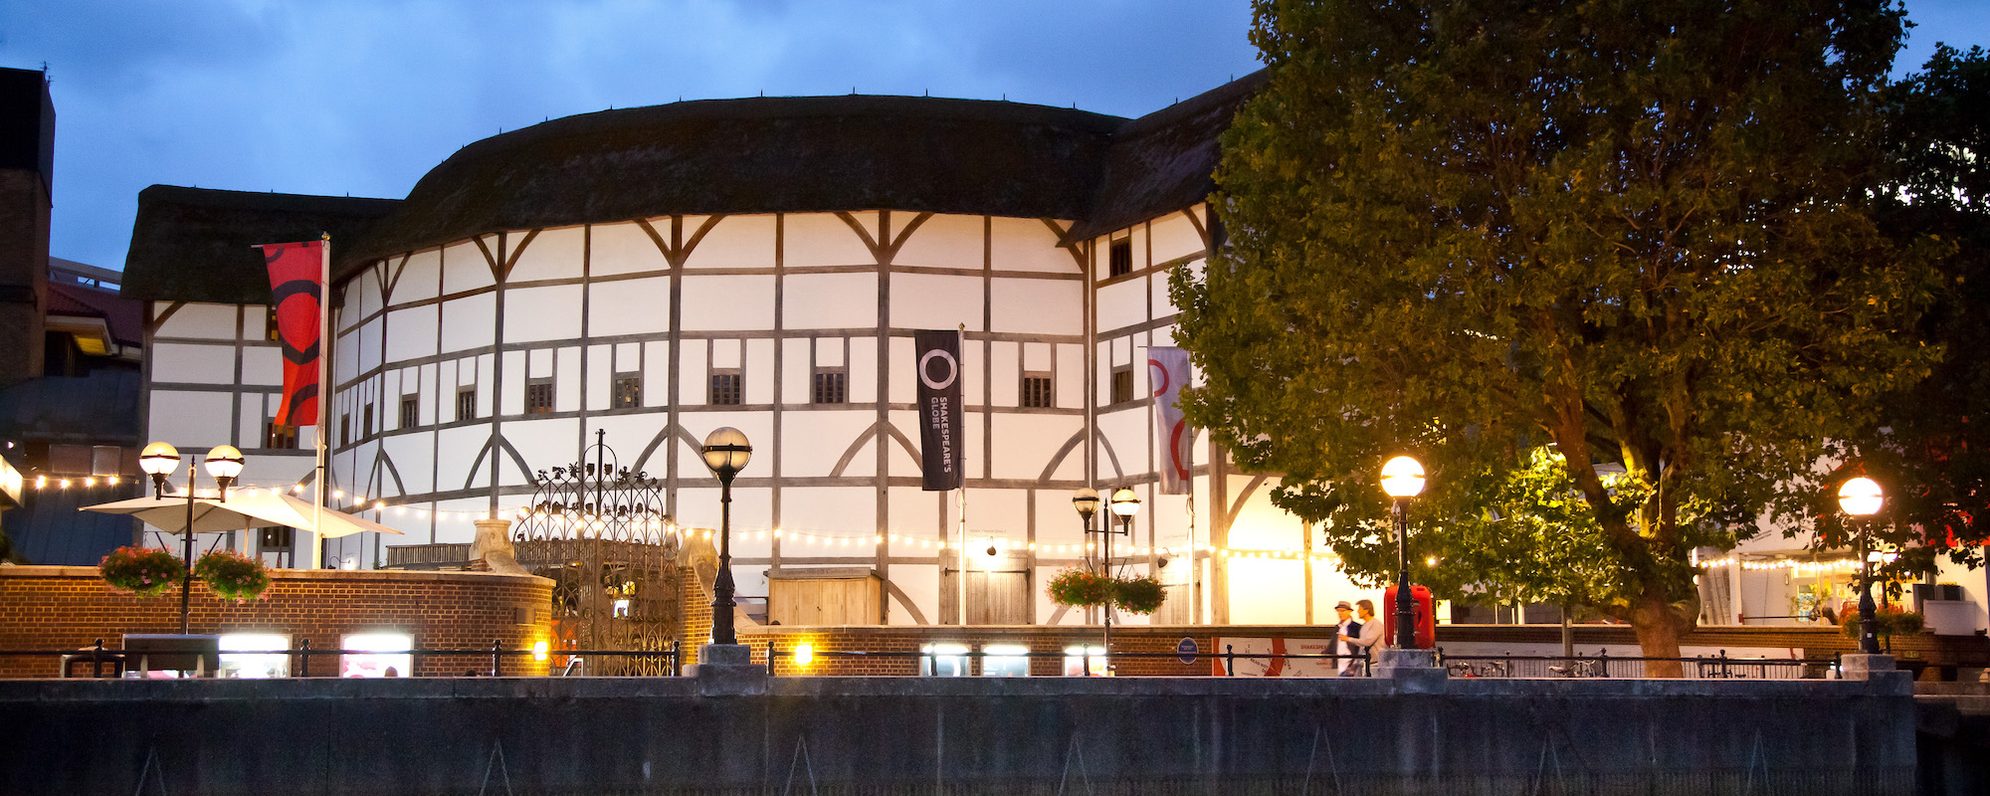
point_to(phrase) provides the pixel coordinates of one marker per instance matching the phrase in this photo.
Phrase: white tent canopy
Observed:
(242, 510)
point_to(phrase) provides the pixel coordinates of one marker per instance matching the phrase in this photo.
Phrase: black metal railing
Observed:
(490, 661)
(496, 660)
(1602, 664)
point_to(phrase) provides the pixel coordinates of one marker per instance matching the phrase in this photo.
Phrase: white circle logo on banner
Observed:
(925, 369)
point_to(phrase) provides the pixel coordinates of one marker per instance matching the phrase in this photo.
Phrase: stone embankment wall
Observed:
(882, 735)
(55, 608)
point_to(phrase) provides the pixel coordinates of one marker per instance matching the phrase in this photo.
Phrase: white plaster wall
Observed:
(817, 239)
(728, 302)
(197, 320)
(623, 248)
(943, 241)
(1027, 244)
(745, 241)
(193, 363)
(421, 277)
(928, 301)
(552, 254)
(542, 313)
(1038, 306)
(829, 301)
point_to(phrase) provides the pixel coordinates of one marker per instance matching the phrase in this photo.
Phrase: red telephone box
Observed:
(1426, 617)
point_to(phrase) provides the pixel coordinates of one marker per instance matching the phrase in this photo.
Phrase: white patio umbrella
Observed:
(169, 514)
(244, 509)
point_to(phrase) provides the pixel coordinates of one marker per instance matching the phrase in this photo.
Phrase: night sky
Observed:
(365, 97)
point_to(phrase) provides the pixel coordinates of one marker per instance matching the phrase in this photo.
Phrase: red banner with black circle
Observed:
(297, 292)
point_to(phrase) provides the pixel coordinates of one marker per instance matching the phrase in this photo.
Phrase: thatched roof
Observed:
(195, 244)
(760, 155)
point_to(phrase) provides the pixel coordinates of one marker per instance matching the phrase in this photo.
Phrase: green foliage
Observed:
(1080, 588)
(1930, 445)
(1639, 231)
(1887, 621)
(1083, 588)
(1142, 595)
(231, 575)
(143, 571)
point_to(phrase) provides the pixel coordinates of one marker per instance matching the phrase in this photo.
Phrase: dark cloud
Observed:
(364, 97)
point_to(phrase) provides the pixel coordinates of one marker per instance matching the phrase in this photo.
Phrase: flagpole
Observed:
(317, 558)
(960, 550)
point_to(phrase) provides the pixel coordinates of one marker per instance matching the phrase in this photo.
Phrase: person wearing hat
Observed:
(1345, 633)
(1367, 637)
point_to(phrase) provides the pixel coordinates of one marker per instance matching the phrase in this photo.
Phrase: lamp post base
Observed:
(1412, 669)
(1862, 666)
(727, 670)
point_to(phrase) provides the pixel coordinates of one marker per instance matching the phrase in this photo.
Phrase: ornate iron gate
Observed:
(599, 531)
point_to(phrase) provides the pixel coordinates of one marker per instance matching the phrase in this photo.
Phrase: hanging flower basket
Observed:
(1080, 588)
(231, 575)
(143, 571)
(1139, 595)
(1887, 621)
(1083, 588)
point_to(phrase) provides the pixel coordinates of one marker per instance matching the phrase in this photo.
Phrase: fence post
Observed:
(304, 657)
(1603, 662)
(676, 663)
(770, 658)
(96, 661)
(497, 658)
(1229, 661)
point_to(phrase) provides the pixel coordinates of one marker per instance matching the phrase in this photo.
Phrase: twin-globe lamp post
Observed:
(726, 452)
(1124, 504)
(159, 460)
(1861, 498)
(1402, 479)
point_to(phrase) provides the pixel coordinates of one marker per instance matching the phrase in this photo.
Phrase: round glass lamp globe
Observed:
(1861, 497)
(1402, 477)
(159, 458)
(224, 461)
(727, 450)
(1086, 501)
(1125, 502)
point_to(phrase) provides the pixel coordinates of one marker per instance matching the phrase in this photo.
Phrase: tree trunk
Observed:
(1658, 635)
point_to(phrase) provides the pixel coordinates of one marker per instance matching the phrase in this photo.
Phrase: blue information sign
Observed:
(1186, 650)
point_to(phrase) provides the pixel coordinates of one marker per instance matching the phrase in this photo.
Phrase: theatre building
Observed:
(658, 273)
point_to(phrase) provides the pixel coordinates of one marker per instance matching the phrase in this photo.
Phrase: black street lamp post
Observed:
(1861, 498)
(159, 460)
(1402, 479)
(726, 452)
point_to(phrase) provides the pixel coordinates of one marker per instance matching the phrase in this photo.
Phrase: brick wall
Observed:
(50, 608)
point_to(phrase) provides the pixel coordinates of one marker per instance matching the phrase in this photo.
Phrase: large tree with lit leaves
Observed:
(1637, 231)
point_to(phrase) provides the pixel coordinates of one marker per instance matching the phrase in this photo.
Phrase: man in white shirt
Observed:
(1366, 639)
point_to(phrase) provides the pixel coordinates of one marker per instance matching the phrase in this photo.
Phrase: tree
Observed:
(1641, 232)
(1930, 445)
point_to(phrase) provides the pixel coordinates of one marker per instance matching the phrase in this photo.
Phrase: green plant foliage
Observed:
(1080, 588)
(231, 575)
(1889, 620)
(143, 571)
(1930, 445)
(1642, 233)
(1139, 595)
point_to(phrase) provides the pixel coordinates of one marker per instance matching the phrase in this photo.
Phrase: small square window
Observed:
(1119, 258)
(279, 538)
(830, 387)
(279, 436)
(466, 403)
(1036, 391)
(628, 390)
(726, 388)
(104, 459)
(539, 396)
(270, 330)
(1122, 384)
(410, 410)
(69, 459)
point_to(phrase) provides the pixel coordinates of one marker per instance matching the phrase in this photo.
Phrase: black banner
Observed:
(940, 435)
